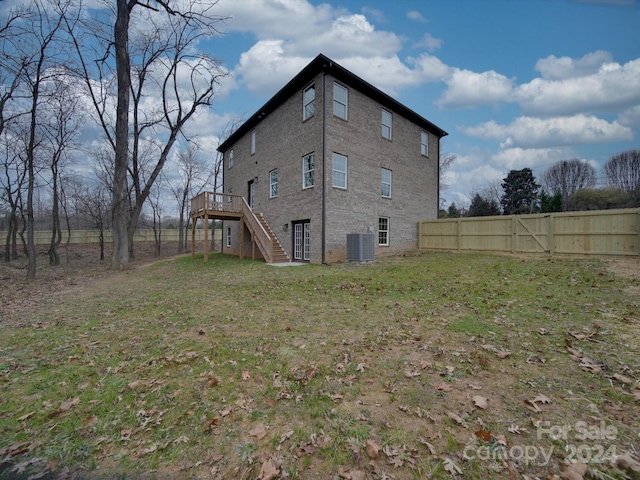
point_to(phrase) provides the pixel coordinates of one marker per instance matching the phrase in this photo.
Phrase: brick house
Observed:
(327, 156)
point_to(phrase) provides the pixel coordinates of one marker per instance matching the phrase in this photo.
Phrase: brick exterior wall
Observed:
(283, 138)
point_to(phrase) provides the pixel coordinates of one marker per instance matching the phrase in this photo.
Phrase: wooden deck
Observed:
(222, 206)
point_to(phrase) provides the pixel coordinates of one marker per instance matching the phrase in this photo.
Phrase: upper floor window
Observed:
(386, 183)
(230, 154)
(273, 183)
(339, 171)
(383, 231)
(308, 102)
(307, 171)
(424, 143)
(386, 124)
(340, 101)
(253, 141)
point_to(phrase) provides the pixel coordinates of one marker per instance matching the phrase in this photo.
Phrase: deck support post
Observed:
(242, 237)
(206, 237)
(194, 220)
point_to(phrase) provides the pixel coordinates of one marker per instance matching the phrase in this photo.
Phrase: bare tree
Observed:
(445, 162)
(61, 129)
(192, 176)
(12, 181)
(93, 202)
(623, 171)
(567, 177)
(36, 50)
(160, 59)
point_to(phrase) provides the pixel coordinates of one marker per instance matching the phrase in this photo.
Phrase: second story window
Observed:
(273, 183)
(386, 183)
(231, 158)
(307, 171)
(340, 101)
(253, 141)
(386, 124)
(339, 171)
(424, 143)
(308, 102)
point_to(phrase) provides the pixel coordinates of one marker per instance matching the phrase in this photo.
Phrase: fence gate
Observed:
(530, 234)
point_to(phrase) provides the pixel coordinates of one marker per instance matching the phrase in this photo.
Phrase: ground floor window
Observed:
(383, 231)
(228, 236)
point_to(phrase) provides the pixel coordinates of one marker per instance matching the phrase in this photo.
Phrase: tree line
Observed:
(568, 185)
(130, 70)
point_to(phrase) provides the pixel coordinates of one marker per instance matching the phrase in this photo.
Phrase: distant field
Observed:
(424, 365)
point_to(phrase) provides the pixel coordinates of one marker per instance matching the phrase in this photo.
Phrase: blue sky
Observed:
(515, 83)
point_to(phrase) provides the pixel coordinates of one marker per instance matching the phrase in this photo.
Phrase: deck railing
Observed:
(260, 235)
(210, 202)
(221, 202)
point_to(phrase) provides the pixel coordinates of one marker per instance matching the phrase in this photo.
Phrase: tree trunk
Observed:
(56, 234)
(120, 207)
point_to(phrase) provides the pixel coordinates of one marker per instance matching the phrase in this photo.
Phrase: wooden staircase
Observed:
(278, 255)
(263, 236)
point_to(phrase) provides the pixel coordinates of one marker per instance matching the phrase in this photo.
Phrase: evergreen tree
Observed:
(483, 207)
(520, 192)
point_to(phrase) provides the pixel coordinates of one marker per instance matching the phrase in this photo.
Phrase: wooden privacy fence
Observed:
(604, 232)
(93, 236)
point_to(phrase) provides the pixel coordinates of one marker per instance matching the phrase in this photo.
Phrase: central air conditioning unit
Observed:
(360, 247)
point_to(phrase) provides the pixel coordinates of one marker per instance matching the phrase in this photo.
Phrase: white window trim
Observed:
(424, 146)
(271, 183)
(382, 244)
(228, 242)
(304, 172)
(253, 141)
(346, 103)
(304, 103)
(334, 170)
(390, 126)
(383, 183)
(231, 158)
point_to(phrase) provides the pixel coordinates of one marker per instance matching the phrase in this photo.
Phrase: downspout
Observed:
(324, 156)
(438, 188)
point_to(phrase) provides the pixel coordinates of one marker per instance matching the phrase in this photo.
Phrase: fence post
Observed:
(550, 226)
(514, 233)
(459, 233)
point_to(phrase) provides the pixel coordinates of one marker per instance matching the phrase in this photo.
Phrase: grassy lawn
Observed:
(425, 365)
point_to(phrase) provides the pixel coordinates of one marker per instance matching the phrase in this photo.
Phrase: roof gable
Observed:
(324, 64)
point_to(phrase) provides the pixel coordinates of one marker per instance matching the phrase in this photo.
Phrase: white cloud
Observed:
(611, 89)
(429, 42)
(554, 68)
(265, 68)
(630, 117)
(519, 158)
(470, 89)
(417, 16)
(529, 132)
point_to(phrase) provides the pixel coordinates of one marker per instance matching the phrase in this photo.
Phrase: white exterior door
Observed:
(301, 241)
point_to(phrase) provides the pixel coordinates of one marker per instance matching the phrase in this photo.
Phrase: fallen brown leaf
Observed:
(626, 462)
(480, 401)
(258, 431)
(65, 407)
(372, 449)
(574, 471)
(268, 471)
(210, 424)
(451, 467)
